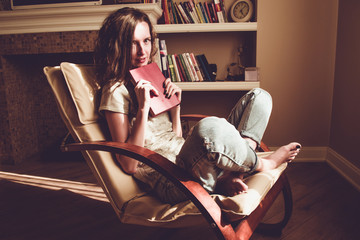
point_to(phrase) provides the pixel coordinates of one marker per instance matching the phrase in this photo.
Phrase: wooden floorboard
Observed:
(325, 206)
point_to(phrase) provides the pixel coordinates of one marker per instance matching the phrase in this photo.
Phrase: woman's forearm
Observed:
(137, 135)
(176, 121)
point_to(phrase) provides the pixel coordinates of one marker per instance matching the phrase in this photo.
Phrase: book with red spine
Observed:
(153, 74)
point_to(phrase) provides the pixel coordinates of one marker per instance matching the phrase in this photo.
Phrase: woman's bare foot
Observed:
(231, 184)
(286, 153)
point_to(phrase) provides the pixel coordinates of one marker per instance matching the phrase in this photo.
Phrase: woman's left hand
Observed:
(170, 89)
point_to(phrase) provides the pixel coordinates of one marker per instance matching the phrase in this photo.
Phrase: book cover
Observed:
(152, 73)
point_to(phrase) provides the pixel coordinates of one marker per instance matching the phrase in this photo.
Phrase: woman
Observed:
(217, 153)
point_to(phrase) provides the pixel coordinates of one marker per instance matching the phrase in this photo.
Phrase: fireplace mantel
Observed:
(64, 19)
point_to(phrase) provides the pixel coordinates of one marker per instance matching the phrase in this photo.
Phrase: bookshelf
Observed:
(217, 41)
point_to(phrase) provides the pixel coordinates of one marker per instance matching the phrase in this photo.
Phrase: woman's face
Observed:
(141, 45)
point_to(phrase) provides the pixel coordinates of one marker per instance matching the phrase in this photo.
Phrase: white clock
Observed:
(242, 11)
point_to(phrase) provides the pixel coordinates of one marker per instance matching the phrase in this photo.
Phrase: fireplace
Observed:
(30, 124)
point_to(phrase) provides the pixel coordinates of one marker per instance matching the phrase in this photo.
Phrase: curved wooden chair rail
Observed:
(196, 193)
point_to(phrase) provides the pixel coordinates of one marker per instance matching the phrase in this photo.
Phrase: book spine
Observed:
(204, 13)
(211, 19)
(172, 12)
(199, 14)
(163, 55)
(180, 69)
(165, 11)
(219, 11)
(157, 57)
(187, 64)
(223, 10)
(179, 14)
(171, 15)
(171, 69)
(196, 66)
(204, 66)
(193, 11)
(176, 70)
(213, 10)
(192, 68)
(187, 11)
(188, 78)
(185, 17)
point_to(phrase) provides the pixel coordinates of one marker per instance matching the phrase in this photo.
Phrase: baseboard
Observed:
(344, 167)
(325, 154)
(310, 154)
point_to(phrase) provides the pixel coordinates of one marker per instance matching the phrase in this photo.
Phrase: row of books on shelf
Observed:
(193, 11)
(184, 67)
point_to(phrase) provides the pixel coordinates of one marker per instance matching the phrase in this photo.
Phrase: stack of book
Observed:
(184, 67)
(193, 11)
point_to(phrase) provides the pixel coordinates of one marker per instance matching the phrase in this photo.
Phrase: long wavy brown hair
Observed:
(114, 44)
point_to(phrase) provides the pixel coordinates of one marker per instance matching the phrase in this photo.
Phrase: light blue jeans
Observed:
(218, 144)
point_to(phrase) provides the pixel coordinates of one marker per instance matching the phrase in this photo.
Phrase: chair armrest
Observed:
(193, 190)
(192, 117)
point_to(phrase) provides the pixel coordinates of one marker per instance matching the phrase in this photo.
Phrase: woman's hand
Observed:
(171, 89)
(143, 91)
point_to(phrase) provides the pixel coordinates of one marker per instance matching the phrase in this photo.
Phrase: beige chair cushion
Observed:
(132, 205)
(84, 90)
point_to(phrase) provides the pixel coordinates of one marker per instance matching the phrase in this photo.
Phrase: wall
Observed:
(345, 127)
(296, 57)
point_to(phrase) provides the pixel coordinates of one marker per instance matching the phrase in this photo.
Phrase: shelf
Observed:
(217, 86)
(63, 19)
(206, 27)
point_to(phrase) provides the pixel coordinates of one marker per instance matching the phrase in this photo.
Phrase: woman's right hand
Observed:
(143, 91)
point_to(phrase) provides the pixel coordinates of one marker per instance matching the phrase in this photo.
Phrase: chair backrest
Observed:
(77, 94)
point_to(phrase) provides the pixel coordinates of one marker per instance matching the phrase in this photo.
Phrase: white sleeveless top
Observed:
(159, 136)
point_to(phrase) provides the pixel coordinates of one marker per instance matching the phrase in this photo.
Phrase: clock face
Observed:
(241, 10)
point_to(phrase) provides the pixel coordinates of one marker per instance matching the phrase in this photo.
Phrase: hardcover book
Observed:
(152, 73)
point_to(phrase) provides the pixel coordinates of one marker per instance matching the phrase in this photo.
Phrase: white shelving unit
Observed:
(206, 27)
(210, 28)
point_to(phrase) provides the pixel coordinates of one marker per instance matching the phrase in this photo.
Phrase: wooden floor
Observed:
(59, 199)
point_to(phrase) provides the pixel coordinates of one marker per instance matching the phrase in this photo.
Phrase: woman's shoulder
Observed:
(115, 97)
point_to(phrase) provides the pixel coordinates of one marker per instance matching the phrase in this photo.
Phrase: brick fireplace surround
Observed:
(30, 124)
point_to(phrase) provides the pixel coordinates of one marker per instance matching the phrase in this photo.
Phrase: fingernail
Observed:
(298, 146)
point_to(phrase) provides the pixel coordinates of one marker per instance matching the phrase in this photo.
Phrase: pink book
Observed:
(153, 74)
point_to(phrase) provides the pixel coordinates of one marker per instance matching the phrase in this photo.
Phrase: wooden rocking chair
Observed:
(77, 94)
